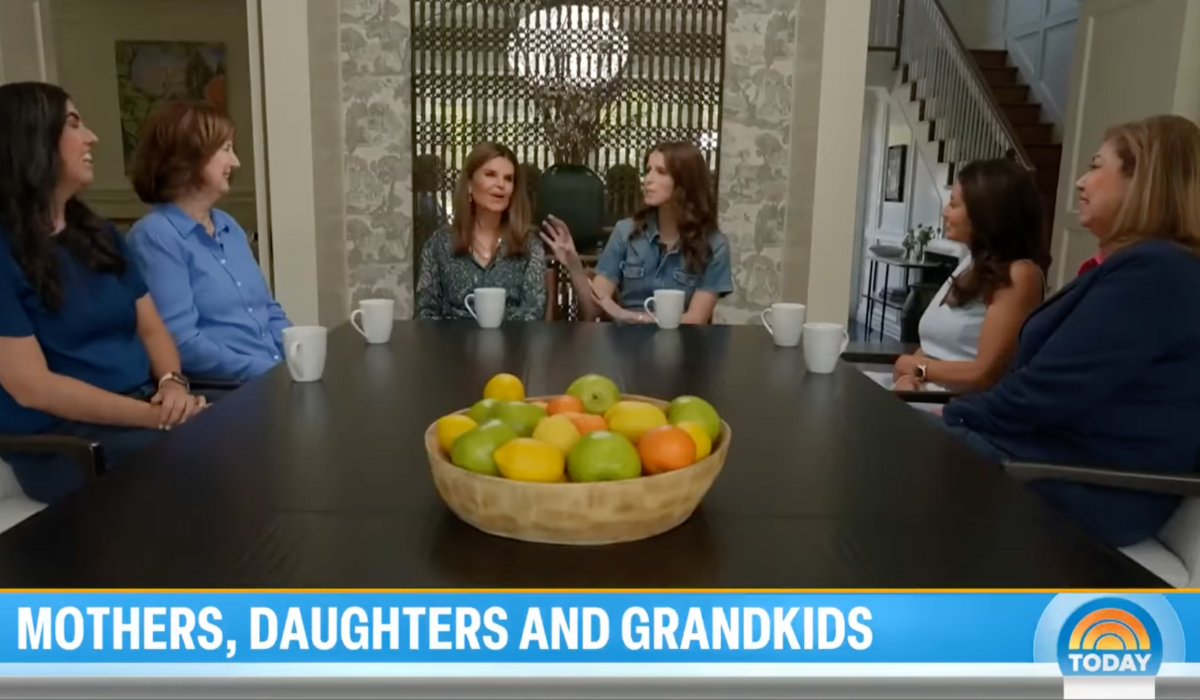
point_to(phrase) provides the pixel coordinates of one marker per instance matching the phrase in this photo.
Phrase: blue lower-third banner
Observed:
(1083, 634)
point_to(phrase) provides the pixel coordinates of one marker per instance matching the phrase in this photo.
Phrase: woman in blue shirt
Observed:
(671, 243)
(1107, 371)
(195, 258)
(83, 351)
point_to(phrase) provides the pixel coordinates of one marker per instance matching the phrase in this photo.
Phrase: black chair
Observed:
(87, 454)
(575, 194)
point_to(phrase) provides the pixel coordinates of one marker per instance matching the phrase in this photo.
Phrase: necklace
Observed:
(486, 251)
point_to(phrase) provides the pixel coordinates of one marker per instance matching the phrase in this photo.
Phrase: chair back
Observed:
(574, 194)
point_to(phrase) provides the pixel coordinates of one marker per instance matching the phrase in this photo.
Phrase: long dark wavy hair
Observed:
(32, 119)
(694, 202)
(1007, 224)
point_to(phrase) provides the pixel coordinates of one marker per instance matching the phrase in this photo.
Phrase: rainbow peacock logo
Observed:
(1110, 636)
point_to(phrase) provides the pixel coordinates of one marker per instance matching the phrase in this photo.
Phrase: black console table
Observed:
(873, 297)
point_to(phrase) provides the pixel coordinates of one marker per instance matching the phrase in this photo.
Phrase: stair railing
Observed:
(965, 113)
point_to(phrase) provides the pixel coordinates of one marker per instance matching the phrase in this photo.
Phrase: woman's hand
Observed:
(175, 405)
(906, 366)
(557, 238)
(907, 383)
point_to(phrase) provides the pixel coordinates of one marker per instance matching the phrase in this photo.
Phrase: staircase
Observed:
(972, 101)
(1035, 135)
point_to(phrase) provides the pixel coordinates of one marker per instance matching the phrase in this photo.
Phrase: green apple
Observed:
(603, 456)
(473, 449)
(520, 416)
(597, 393)
(696, 410)
(482, 410)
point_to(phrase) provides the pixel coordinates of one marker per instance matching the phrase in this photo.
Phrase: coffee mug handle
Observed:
(357, 314)
(765, 314)
(467, 302)
(293, 351)
(646, 305)
(845, 342)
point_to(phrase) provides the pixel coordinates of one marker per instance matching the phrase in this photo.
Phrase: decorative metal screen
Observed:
(592, 82)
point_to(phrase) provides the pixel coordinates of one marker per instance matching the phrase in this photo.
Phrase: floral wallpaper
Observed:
(756, 120)
(377, 150)
(376, 89)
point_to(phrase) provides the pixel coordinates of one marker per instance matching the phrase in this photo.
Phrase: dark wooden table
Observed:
(830, 482)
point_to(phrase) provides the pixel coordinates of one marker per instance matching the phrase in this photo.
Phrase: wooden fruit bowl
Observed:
(593, 513)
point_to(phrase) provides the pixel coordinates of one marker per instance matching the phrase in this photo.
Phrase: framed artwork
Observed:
(152, 72)
(893, 178)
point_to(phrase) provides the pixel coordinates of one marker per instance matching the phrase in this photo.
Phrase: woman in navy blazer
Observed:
(1108, 370)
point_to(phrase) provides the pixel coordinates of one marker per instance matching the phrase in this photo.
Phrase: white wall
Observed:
(1039, 36)
(924, 195)
(85, 36)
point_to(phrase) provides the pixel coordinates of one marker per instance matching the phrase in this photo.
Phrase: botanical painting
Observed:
(152, 72)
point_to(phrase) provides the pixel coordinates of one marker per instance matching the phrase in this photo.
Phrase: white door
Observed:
(1126, 67)
(26, 43)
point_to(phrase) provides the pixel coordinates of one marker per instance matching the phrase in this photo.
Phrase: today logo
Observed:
(1109, 637)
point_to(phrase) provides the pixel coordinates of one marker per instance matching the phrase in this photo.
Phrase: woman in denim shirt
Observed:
(671, 243)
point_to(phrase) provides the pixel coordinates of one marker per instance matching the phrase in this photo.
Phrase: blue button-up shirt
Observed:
(210, 293)
(640, 264)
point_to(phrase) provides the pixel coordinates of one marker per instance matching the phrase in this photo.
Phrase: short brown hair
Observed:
(1161, 157)
(514, 222)
(176, 143)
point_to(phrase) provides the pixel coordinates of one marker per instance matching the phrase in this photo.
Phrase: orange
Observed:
(587, 422)
(564, 404)
(666, 448)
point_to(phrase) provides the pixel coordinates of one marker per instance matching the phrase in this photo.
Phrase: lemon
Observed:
(450, 427)
(699, 436)
(504, 387)
(526, 459)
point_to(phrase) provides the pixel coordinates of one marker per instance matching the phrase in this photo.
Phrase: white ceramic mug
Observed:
(785, 322)
(377, 318)
(304, 347)
(665, 307)
(824, 343)
(486, 305)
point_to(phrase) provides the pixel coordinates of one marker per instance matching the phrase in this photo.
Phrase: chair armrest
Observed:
(1150, 482)
(214, 383)
(942, 397)
(876, 353)
(86, 454)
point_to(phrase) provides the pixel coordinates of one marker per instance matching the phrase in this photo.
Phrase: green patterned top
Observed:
(446, 279)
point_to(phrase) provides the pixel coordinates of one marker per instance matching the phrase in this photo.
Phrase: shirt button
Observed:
(239, 284)
(222, 261)
(275, 356)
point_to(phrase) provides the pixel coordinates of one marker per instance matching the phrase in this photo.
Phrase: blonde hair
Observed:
(515, 221)
(1161, 157)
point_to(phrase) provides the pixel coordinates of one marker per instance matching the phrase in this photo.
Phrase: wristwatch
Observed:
(177, 378)
(919, 372)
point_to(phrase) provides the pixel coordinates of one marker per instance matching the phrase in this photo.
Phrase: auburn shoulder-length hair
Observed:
(175, 144)
(693, 199)
(1007, 224)
(1161, 157)
(514, 222)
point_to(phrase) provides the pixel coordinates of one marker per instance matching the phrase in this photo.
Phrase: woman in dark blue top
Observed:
(1108, 371)
(82, 350)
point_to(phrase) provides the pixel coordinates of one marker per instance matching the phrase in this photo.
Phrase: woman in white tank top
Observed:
(969, 331)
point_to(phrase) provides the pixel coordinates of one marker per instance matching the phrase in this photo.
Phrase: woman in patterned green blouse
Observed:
(489, 243)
